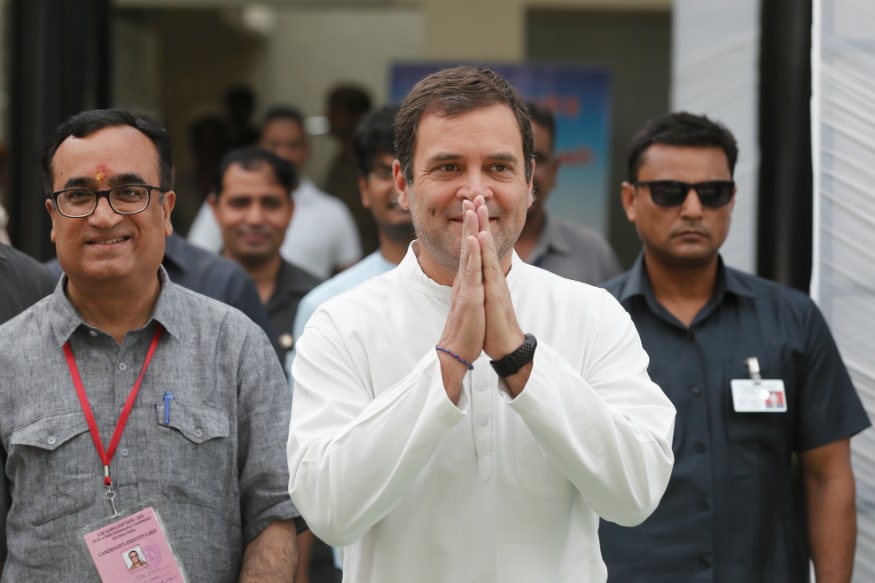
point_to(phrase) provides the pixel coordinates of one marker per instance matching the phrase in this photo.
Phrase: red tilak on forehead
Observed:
(101, 173)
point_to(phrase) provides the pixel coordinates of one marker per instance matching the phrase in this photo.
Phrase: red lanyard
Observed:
(106, 456)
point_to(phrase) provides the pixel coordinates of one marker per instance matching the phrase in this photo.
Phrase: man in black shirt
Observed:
(23, 282)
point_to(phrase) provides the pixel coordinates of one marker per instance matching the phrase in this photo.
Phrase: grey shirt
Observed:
(574, 252)
(216, 472)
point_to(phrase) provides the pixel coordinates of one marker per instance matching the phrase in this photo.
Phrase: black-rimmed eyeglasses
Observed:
(712, 194)
(127, 199)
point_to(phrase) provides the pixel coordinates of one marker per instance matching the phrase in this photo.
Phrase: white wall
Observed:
(715, 71)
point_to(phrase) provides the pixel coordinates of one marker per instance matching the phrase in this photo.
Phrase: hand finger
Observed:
(471, 245)
(483, 218)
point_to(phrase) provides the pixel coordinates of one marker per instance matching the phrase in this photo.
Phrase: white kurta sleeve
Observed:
(602, 422)
(352, 455)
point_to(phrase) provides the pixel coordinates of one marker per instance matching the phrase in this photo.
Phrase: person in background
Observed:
(4, 216)
(550, 242)
(188, 387)
(253, 207)
(23, 282)
(4, 223)
(239, 108)
(374, 146)
(322, 236)
(467, 416)
(761, 484)
(346, 105)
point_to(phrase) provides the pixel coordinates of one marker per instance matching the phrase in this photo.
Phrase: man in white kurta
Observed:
(409, 450)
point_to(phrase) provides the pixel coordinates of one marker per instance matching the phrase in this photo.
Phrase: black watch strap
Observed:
(513, 362)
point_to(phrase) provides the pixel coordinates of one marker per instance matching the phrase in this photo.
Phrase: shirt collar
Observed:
(638, 284)
(550, 239)
(287, 284)
(410, 268)
(65, 319)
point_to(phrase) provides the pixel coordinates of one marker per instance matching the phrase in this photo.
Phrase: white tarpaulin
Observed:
(843, 273)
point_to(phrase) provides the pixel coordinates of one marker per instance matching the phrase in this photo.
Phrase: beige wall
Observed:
(358, 40)
(310, 49)
(293, 51)
(495, 29)
(451, 29)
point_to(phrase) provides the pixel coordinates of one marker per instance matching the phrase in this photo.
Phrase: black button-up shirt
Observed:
(732, 510)
(23, 282)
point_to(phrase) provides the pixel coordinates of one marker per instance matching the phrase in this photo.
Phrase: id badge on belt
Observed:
(133, 547)
(756, 394)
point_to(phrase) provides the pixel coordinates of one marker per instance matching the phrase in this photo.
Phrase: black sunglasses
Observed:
(712, 194)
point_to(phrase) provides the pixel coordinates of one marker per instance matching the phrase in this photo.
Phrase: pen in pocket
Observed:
(168, 396)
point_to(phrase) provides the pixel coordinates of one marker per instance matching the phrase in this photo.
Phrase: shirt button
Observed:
(122, 366)
(704, 563)
(699, 447)
(695, 391)
(702, 505)
(484, 419)
(198, 432)
(51, 440)
(93, 333)
(125, 451)
(481, 385)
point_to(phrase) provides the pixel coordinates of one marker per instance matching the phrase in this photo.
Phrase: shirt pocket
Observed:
(763, 433)
(537, 476)
(194, 445)
(47, 459)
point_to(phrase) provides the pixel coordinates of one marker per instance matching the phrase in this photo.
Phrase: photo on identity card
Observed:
(133, 548)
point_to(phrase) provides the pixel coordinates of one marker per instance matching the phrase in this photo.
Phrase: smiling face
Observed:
(379, 195)
(253, 212)
(688, 235)
(107, 248)
(457, 158)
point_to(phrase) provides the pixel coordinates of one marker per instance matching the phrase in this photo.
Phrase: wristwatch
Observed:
(513, 362)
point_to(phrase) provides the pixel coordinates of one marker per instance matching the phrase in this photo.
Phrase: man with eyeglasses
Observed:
(551, 242)
(762, 479)
(134, 410)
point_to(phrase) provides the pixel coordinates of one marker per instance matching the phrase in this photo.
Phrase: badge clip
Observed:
(753, 368)
(110, 493)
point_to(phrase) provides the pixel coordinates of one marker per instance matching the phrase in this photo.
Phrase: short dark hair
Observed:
(374, 136)
(287, 112)
(350, 98)
(680, 129)
(451, 92)
(85, 123)
(542, 116)
(253, 158)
